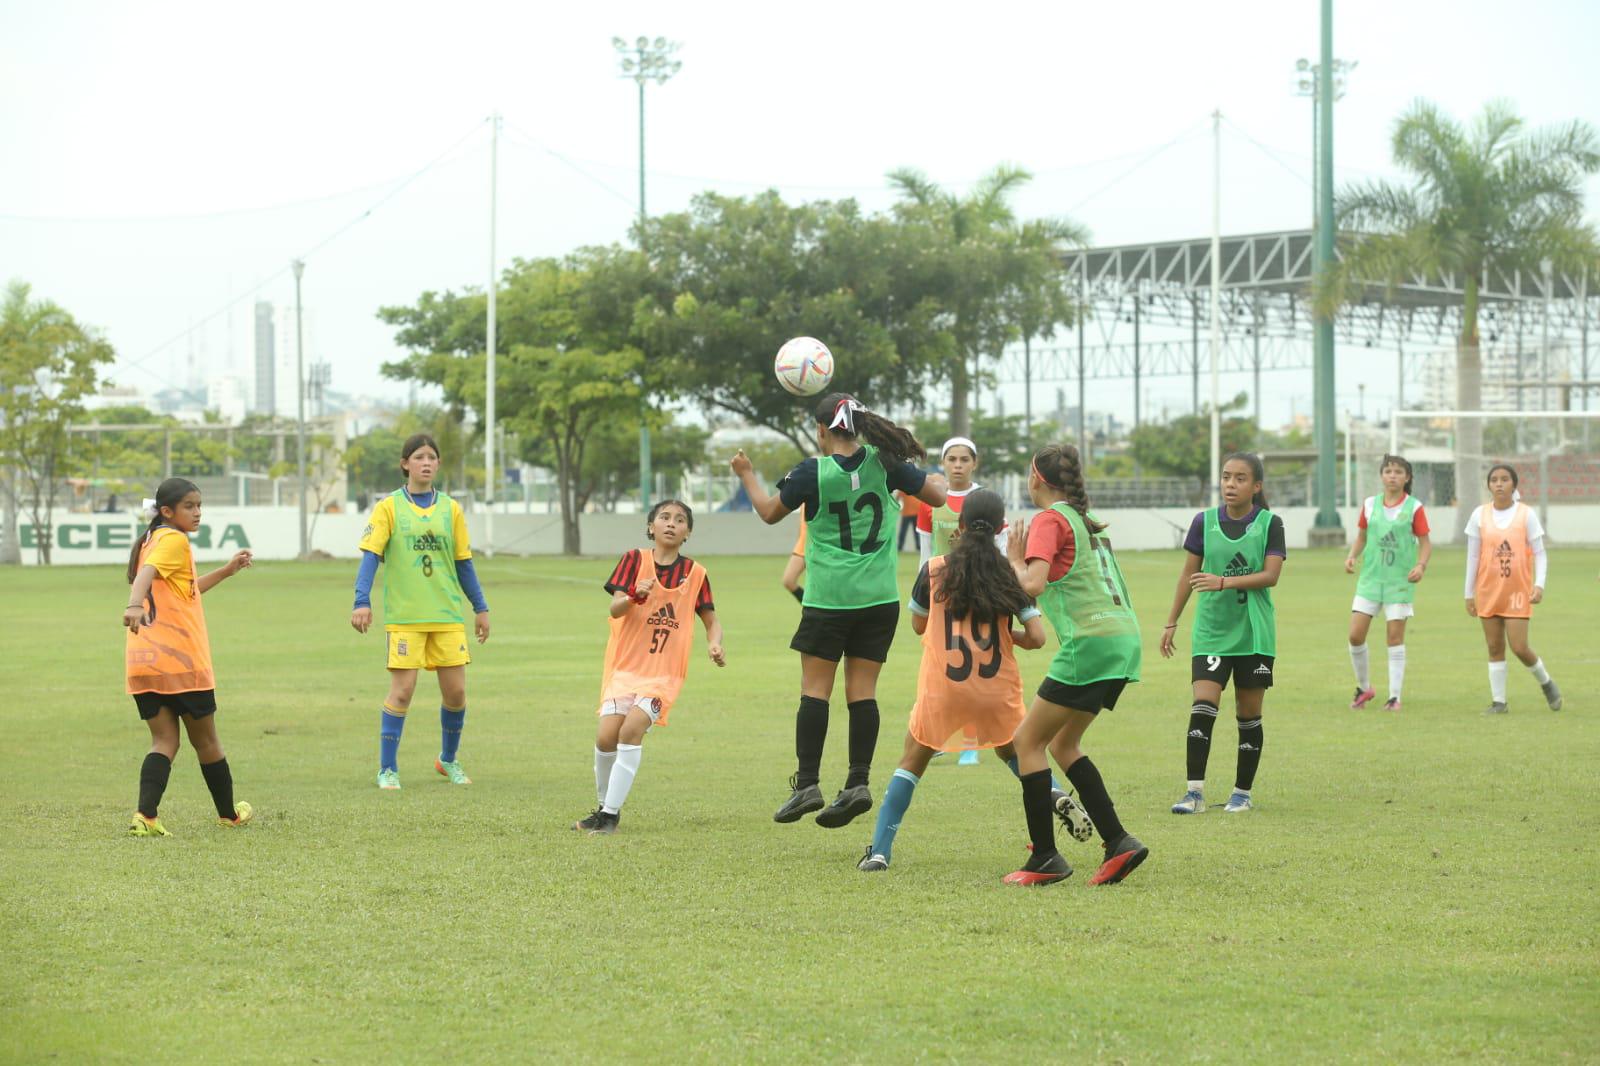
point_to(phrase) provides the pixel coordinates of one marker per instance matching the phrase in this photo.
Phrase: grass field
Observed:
(1417, 887)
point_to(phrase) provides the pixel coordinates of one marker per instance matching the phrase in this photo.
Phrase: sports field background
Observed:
(1414, 887)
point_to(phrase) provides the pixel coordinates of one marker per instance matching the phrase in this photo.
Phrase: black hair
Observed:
(1059, 467)
(1402, 463)
(169, 493)
(978, 579)
(651, 517)
(415, 441)
(1507, 467)
(846, 418)
(1258, 470)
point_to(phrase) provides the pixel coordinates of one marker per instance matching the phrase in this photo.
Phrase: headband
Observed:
(844, 415)
(1034, 463)
(148, 510)
(954, 441)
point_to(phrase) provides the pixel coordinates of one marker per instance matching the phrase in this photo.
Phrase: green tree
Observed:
(1182, 447)
(1003, 443)
(48, 364)
(1494, 196)
(610, 468)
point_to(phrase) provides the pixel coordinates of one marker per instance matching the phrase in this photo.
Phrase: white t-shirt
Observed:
(1502, 520)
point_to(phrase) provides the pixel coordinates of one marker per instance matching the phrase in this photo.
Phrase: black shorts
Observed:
(1247, 671)
(1093, 697)
(862, 633)
(186, 704)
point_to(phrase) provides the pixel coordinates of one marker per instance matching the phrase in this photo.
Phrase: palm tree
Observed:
(997, 278)
(1492, 195)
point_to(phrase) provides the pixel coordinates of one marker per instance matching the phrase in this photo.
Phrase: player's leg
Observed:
(630, 751)
(402, 686)
(1074, 819)
(1517, 637)
(1360, 620)
(1042, 724)
(914, 761)
(452, 719)
(155, 770)
(1248, 699)
(860, 693)
(1494, 637)
(1210, 675)
(207, 747)
(1122, 850)
(819, 639)
(1396, 634)
(607, 733)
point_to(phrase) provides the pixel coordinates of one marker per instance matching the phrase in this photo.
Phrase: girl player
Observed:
(969, 692)
(1064, 562)
(1392, 562)
(1506, 567)
(1235, 554)
(851, 605)
(169, 655)
(421, 534)
(647, 654)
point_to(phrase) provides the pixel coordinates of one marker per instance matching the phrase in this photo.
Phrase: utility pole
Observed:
(489, 346)
(1216, 305)
(1326, 528)
(1547, 268)
(299, 266)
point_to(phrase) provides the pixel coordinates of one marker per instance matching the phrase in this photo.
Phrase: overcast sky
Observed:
(163, 159)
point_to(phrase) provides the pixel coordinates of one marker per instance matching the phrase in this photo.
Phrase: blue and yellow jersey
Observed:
(419, 547)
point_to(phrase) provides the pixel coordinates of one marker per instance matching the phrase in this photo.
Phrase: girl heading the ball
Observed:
(1393, 548)
(1506, 570)
(1235, 553)
(851, 605)
(168, 655)
(655, 594)
(420, 536)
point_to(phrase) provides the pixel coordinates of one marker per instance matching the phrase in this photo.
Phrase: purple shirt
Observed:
(1195, 541)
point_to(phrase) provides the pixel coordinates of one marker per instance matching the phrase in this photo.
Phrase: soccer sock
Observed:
(1202, 719)
(450, 723)
(219, 779)
(1540, 674)
(863, 740)
(1497, 681)
(800, 594)
(895, 801)
(1085, 777)
(1249, 753)
(1036, 807)
(1358, 659)
(603, 761)
(622, 775)
(1397, 670)
(810, 732)
(1017, 772)
(153, 776)
(389, 739)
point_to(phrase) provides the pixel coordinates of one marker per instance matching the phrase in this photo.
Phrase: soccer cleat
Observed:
(1192, 803)
(389, 780)
(606, 824)
(1393, 704)
(1238, 803)
(146, 827)
(453, 771)
(968, 758)
(871, 863)
(1363, 697)
(1036, 872)
(1552, 695)
(242, 813)
(1122, 858)
(849, 803)
(589, 822)
(1073, 817)
(1497, 707)
(801, 802)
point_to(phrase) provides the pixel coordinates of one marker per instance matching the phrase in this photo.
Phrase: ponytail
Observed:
(978, 580)
(169, 493)
(847, 418)
(1402, 463)
(1258, 471)
(1058, 466)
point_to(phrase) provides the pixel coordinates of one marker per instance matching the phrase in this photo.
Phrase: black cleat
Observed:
(1039, 871)
(1072, 815)
(801, 802)
(606, 825)
(588, 822)
(1122, 858)
(849, 803)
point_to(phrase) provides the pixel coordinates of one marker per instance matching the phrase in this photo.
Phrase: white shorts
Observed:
(1394, 612)
(623, 704)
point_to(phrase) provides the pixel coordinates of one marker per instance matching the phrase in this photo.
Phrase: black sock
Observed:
(1095, 799)
(1249, 753)
(1041, 818)
(1202, 717)
(863, 741)
(810, 732)
(800, 594)
(153, 776)
(219, 779)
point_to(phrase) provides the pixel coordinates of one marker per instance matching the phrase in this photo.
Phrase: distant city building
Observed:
(265, 395)
(286, 373)
(1503, 367)
(226, 396)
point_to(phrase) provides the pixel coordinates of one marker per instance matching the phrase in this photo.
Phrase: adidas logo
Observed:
(1199, 734)
(1248, 747)
(1238, 566)
(665, 618)
(1389, 540)
(1504, 550)
(1263, 668)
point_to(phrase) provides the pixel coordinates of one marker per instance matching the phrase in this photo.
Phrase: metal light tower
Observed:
(1306, 85)
(299, 266)
(1326, 529)
(645, 60)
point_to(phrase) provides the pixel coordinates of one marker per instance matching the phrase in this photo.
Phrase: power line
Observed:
(1143, 160)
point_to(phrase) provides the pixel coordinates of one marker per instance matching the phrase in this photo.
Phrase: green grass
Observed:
(1413, 887)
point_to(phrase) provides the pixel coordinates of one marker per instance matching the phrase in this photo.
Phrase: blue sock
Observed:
(450, 723)
(1012, 762)
(389, 740)
(895, 801)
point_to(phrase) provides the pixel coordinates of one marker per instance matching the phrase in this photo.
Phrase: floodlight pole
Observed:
(1216, 304)
(1327, 528)
(1547, 268)
(299, 266)
(489, 342)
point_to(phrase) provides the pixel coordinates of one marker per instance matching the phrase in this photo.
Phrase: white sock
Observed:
(1497, 681)
(602, 773)
(1397, 670)
(1197, 786)
(1358, 659)
(622, 776)
(1540, 674)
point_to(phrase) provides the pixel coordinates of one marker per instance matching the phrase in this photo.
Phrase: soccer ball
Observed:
(804, 366)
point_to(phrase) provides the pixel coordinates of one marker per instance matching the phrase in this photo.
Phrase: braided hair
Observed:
(978, 581)
(170, 493)
(1403, 464)
(847, 418)
(1059, 467)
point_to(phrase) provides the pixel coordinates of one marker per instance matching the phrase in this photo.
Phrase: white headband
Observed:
(844, 415)
(954, 441)
(148, 510)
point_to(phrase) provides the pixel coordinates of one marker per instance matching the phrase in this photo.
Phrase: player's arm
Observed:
(1424, 553)
(361, 614)
(1356, 549)
(770, 508)
(1031, 635)
(1474, 547)
(621, 600)
(1264, 578)
(206, 582)
(1180, 599)
(934, 491)
(921, 596)
(713, 624)
(133, 617)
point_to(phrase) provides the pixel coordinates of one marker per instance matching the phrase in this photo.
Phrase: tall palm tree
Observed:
(1492, 195)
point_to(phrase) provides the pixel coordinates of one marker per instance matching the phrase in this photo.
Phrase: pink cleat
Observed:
(1363, 697)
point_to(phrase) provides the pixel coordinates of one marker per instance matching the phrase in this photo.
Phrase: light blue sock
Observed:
(450, 723)
(389, 739)
(1012, 762)
(896, 798)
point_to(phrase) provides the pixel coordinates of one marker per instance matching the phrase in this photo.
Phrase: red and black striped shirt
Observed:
(626, 575)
